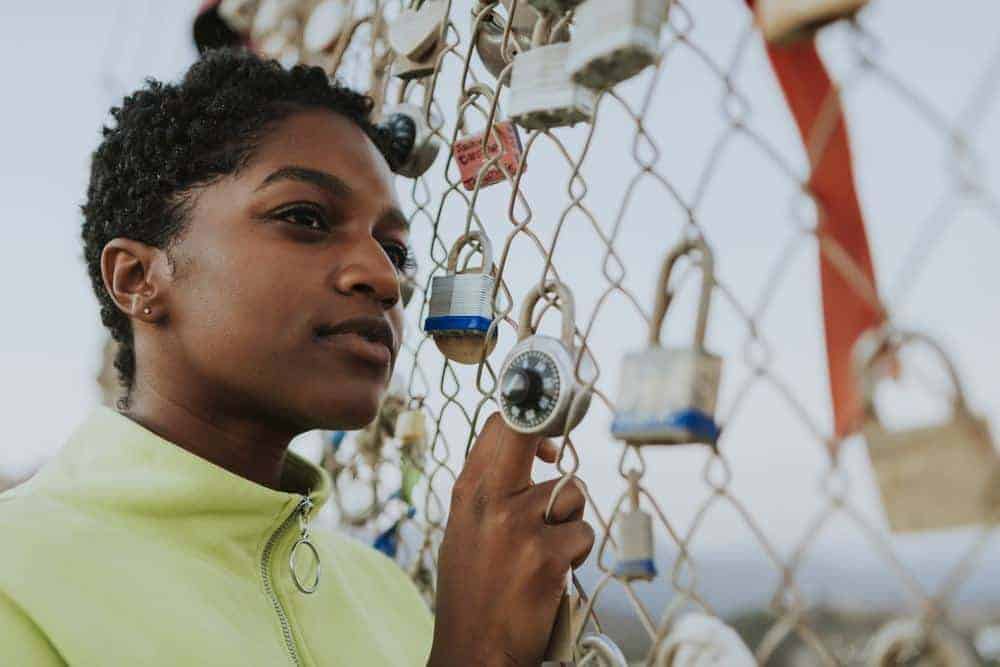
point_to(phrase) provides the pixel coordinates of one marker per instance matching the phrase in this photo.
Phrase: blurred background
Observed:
(775, 552)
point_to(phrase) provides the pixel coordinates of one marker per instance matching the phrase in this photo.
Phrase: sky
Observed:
(66, 62)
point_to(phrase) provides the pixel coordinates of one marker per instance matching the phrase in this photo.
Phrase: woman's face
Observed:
(286, 296)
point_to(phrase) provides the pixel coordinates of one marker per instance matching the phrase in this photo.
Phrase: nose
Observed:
(369, 271)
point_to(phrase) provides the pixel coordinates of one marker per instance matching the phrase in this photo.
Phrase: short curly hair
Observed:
(171, 138)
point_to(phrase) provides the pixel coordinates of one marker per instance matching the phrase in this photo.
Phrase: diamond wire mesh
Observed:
(587, 225)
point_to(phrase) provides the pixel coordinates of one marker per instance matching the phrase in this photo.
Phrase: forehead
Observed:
(326, 141)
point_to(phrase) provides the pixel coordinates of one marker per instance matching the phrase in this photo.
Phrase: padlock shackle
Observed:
(566, 307)
(874, 343)
(485, 248)
(664, 296)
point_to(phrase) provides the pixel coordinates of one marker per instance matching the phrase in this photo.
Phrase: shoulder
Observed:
(23, 642)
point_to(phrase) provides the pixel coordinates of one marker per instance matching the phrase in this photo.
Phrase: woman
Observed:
(244, 242)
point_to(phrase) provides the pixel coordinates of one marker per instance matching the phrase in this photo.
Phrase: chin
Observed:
(349, 413)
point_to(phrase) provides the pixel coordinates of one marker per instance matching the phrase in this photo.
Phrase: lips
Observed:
(368, 337)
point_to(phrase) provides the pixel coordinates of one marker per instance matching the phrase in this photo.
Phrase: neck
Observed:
(242, 444)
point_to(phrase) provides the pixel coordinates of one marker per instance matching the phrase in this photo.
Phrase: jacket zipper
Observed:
(301, 511)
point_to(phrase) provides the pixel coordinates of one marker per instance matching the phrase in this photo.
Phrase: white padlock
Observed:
(414, 33)
(489, 41)
(270, 16)
(929, 477)
(614, 41)
(785, 21)
(634, 537)
(542, 94)
(700, 640)
(325, 24)
(667, 396)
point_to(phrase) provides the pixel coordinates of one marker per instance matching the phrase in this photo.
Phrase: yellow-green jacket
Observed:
(128, 550)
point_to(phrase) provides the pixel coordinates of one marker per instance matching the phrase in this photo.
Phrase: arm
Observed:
(21, 641)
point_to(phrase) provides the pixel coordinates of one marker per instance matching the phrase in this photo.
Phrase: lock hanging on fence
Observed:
(325, 24)
(460, 312)
(910, 641)
(411, 431)
(414, 148)
(667, 396)
(956, 459)
(700, 639)
(634, 537)
(786, 21)
(542, 94)
(539, 392)
(415, 38)
(489, 36)
(614, 41)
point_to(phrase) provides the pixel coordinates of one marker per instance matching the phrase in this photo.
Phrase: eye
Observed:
(305, 216)
(400, 256)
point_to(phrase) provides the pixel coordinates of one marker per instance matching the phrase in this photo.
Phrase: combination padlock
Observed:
(542, 94)
(700, 640)
(929, 477)
(786, 21)
(460, 311)
(489, 38)
(667, 396)
(614, 41)
(414, 148)
(503, 142)
(415, 32)
(539, 392)
(238, 14)
(325, 24)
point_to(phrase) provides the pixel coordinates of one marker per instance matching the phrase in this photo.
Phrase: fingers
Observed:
(502, 458)
(567, 505)
(572, 541)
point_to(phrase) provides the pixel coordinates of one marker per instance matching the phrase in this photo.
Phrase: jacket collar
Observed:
(113, 463)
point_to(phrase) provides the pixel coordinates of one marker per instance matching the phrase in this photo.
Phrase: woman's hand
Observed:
(501, 567)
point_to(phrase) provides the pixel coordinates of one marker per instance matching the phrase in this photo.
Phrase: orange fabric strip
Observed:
(847, 277)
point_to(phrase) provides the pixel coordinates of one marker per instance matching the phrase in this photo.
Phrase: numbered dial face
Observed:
(529, 389)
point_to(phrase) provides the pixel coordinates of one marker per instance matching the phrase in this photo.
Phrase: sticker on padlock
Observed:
(413, 144)
(786, 21)
(911, 641)
(542, 95)
(414, 32)
(929, 477)
(635, 546)
(324, 26)
(700, 640)
(270, 16)
(539, 392)
(667, 396)
(489, 41)
(460, 310)
(238, 14)
(614, 41)
(503, 141)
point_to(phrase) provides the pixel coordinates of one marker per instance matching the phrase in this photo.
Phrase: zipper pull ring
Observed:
(303, 511)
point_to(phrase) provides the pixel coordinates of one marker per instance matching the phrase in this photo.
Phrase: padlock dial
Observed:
(529, 389)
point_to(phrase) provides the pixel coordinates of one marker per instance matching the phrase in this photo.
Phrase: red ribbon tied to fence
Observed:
(847, 278)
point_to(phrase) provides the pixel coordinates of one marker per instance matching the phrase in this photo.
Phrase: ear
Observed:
(136, 275)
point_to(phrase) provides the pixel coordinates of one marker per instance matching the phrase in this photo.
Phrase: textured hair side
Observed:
(168, 139)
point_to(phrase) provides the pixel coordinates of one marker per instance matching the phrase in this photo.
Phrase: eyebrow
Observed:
(331, 184)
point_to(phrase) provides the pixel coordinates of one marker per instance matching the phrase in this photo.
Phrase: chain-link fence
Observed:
(696, 148)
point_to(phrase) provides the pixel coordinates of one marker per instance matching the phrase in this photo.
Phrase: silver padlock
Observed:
(325, 24)
(542, 94)
(460, 311)
(412, 138)
(539, 392)
(614, 41)
(489, 40)
(667, 396)
(635, 546)
(238, 14)
(929, 477)
(785, 21)
(414, 32)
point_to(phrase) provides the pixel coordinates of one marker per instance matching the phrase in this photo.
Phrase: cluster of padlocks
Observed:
(557, 57)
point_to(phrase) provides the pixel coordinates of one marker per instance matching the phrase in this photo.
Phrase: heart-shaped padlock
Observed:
(539, 391)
